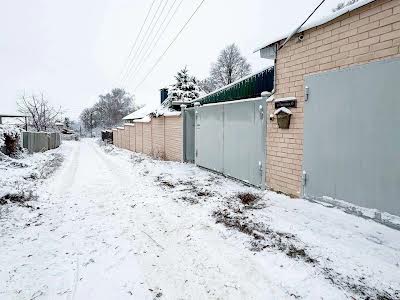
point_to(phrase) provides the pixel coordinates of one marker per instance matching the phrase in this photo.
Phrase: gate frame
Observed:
(184, 109)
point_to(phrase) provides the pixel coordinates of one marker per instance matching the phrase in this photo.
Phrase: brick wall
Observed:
(132, 137)
(158, 139)
(173, 138)
(119, 138)
(147, 145)
(125, 136)
(369, 33)
(115, 133)
(139, 137)
(161, 138)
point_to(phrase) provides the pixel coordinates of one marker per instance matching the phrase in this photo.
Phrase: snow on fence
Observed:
(40, 141)
(160, 137)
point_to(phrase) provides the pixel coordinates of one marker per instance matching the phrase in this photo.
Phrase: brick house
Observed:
(365, 32)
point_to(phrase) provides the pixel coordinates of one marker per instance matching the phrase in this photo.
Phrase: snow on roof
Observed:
(141, 113)
(165, 111)
(156, 110)
(315, 23)
(284, 110)
(145, 119)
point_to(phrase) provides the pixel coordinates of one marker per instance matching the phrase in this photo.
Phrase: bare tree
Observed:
(207, 85)
(109, 110)
(113, 106)
(90, 119)
(230, 66)
(42, 115)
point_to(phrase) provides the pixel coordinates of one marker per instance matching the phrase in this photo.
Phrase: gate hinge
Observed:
(197, 152)
(304, 178)
(260, 168)
(306, 93)
(261, 110)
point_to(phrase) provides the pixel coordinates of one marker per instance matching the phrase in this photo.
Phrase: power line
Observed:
(134, 58)
(136, 39)
(298, 28)
(145, 45)
(169, 46)
(158, 36)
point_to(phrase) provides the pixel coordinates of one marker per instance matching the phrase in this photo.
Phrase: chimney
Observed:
(164, 94)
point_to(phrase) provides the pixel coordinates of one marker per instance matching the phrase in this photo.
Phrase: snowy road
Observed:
(105, 230)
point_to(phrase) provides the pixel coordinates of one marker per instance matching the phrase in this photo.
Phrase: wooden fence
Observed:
(160, 138)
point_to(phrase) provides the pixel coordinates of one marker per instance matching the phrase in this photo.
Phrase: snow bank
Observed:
(306, 250)
(22, 175)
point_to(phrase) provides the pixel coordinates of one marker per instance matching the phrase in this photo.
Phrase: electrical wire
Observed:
(146, 45)
(298, 28)
(169, 46)
(157, 37)
(136, 39)
(134, 58)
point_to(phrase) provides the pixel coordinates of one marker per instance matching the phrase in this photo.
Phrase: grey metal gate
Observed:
(352, 136)
(230, 139)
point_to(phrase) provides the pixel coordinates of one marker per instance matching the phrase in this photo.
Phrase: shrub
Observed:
(9, 139)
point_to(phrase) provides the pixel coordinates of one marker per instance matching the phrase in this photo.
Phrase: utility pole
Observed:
(91, 124)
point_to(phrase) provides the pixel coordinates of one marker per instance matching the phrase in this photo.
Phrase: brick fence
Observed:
(160, 138)
(369, 33)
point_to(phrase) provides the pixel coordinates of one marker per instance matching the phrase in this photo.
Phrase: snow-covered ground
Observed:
(110, 224)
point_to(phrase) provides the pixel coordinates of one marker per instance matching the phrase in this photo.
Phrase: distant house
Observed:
(153, 110)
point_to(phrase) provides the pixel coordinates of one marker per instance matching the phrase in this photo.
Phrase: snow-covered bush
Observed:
(9, 139)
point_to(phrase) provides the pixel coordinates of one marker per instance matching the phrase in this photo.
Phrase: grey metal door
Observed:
(230, 139)
(352, 136)
(189, 134)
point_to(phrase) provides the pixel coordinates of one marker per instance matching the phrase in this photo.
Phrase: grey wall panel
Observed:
(41, 141)
(209, 137)
(352, 135)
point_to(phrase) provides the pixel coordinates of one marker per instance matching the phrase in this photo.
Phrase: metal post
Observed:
(91, 125)
(183, 108)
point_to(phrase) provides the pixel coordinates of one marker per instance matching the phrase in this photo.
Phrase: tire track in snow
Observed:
(195, 259)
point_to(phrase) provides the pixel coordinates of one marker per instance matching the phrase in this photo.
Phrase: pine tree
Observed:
(185, 89)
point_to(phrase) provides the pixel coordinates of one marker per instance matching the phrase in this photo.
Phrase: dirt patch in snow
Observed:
(359, 287)
(247, 198)
(264, 237)
(191, 192)
(21, 199)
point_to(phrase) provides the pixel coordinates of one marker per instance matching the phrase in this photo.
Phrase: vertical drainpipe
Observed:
(196, 106)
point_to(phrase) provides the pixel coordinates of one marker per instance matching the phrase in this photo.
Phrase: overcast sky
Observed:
(74, 50)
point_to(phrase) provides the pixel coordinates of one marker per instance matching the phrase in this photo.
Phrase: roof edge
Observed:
(319, 22)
